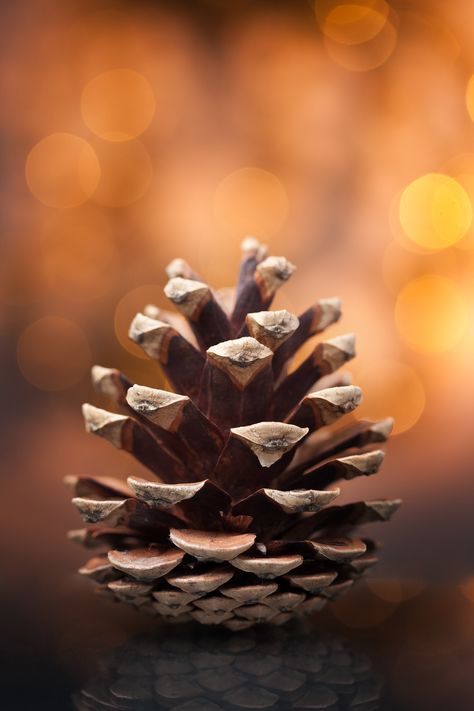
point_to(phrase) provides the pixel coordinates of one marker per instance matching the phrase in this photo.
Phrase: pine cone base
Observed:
(221, 594)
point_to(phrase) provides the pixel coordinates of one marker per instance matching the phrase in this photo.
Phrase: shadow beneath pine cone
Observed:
(199, 669)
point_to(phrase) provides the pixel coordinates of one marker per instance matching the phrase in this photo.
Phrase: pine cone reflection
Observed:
(203, 670)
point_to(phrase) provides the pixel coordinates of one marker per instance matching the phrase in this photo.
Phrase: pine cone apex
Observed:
(188, 295)
(105, 380)
(142, 324)
(180, 268)
(252, 248)
(274, 271)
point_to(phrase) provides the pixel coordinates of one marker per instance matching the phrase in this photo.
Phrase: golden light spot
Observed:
(118, 105)
(355, 22)
(53, 353)
(461, 167)
(126, 173)
(364, 56)
(396, 229)
(435, 211)
(130, 304)
(79, 256)
(470, 97)
(251, 201)
(62, 170)
(431, 314)
(466, 180)
(390, 389)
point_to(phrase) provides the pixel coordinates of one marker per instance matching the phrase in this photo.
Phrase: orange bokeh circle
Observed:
(118, 105)
(62, 170)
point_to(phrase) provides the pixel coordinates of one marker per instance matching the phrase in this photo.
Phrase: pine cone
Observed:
(238, 527)
(274, 669)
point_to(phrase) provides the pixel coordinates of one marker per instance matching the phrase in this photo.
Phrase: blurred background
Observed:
(339, 134)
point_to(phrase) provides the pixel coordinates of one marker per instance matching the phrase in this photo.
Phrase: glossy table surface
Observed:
(386, 645)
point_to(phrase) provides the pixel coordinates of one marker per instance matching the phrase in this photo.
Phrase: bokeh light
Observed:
(408, 245)
(431, 314)
(368, 55)
(130, 304)
(53, 353)
(251, 201)
(461, 167)
(435, 211)
(126, 173)
(466, 180)
(118, 105)
(355, 22)
(62, 170)
(390, 389)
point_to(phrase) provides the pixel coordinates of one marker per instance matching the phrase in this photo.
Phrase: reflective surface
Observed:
(200, 669)
(387, 645)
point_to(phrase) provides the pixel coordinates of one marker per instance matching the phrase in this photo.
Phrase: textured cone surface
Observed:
(272, 669)
(237, 523)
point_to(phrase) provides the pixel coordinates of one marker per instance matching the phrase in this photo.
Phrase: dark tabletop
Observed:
(388, 644)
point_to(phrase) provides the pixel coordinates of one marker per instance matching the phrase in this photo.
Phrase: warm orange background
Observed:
(343, 138)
